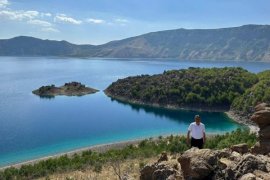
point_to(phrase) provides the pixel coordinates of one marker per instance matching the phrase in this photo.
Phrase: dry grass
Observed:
(130, 167)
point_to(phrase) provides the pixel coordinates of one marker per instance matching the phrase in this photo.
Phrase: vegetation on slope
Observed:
(258, 93)
(147, 148)
(194, 87)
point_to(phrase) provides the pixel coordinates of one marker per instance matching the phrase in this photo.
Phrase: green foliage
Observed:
(196, 87)
(258, 93)
(229, 139)
(147, 148)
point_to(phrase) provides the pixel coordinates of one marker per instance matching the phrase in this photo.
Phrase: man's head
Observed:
(197, 119)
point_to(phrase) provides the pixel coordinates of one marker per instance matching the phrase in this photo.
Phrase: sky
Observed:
(100, 21)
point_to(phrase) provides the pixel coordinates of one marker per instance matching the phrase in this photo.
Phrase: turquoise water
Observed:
(31, 127)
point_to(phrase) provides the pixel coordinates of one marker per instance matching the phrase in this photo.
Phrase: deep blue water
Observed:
(31, 127)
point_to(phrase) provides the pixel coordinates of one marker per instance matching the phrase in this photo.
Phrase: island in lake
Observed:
(68, 89)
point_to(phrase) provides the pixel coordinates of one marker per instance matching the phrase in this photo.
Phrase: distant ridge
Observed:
(30, 46)
(248, 43)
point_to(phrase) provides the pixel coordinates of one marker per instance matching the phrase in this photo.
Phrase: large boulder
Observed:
(248, 176)
(262, 118)
(264, 133)
(240, 148)
(163, 169)
(249, 164)
(198, 163)
(223, 164)
(262, 174)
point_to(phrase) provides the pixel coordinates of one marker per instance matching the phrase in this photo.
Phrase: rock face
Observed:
(163, 169)
(197, 164)
(262, 118)
(69, 89)
(240, 148)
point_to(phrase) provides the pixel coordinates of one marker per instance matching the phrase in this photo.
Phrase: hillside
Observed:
(29, 46)
(260, 92)
(200, 88)
(248, 42)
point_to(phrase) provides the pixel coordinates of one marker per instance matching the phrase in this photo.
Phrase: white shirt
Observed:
(196, 130)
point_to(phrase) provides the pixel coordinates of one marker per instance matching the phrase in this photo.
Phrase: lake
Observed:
(32, 127)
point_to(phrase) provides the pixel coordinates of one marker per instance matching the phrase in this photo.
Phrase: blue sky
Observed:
(100, 21)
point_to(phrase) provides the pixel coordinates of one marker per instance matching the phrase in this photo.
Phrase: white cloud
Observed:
(50, 29)
(28, 17)
(46, 26)
(4, 3)
(96, 21)
(121, 20)
(18, 15)
(65, 19)
(45, 14)
(39, 22)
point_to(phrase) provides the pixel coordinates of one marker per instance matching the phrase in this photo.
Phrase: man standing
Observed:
(197, 130)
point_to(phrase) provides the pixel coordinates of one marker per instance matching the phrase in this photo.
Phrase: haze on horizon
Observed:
(98, 22)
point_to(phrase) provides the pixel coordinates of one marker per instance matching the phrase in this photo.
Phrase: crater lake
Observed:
(32, 127)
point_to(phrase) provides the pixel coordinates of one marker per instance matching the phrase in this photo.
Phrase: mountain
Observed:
(29, 46)
(248, 42)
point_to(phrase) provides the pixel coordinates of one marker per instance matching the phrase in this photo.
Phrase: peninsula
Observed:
(230, 89)
(68, 89)
(199, 88)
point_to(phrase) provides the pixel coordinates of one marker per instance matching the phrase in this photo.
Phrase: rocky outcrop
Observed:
(197, 164)
(240, 148)
(248, 164)
(262, 118)
(69, 89)
(163, 169)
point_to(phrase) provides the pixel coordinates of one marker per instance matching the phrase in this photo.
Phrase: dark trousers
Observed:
(197, 143)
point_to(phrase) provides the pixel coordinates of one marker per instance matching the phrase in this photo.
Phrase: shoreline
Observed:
(242, 120)
(230, 113)
(121, 144)
(170, 107)
(96, 148)
(136, 58)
